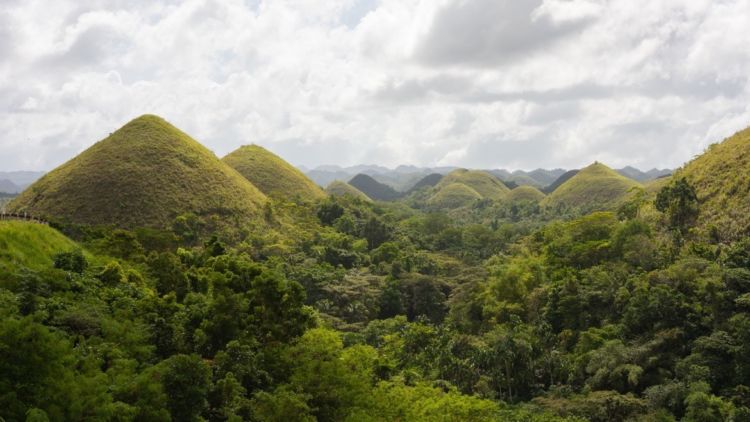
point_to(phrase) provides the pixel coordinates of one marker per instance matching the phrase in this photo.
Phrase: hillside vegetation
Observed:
(31, 245)
(485, 184)
(374, 189)
(454, 195)
(272, 175)
(596, 187)
(559, 181)
(721, 178)
(339, 188)
(426, 182)
(144, 174)
(525, 193)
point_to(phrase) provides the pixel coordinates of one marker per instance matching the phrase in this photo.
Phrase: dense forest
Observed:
(456, 302)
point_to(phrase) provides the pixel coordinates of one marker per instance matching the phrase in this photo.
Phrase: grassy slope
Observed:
(653, 186)
(454, 195)
(525, 193)
(339, 188)
(596, 187)
(144, 174)
(271, 174)
(30, 245)
(485, 184)
(721, 177)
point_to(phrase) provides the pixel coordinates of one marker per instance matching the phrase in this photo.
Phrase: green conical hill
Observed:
(596, 187)
(272, 175)
(485, 184)
(525, 193)
(339, 188)
(454, 195)
(144, 174)
(721, 178)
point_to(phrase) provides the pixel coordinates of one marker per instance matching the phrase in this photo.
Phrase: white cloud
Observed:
(479, 83)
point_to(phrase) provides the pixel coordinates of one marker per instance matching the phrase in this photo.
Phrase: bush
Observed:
(72, 261)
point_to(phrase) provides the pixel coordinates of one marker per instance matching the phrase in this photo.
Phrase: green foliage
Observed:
(186, 381)
(329, 211)
(29, 245)
(353, 310)
(272, 175)
(680, 202)
(73, 261)
(721, 179)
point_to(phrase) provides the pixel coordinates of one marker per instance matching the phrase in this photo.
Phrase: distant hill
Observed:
(339, 188)
(7, 186)
(545, 177)
(454, 195)
(596, 187)
(428, 181)
(485, 184)
(525, 194)
(641, 176)
(721, 177)
(401, 178)
(22, 179)
(374, 189)
(559, 181)
(144, 174)
(272, 175)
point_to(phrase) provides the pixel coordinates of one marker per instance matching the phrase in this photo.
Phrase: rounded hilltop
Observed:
(596, 187)
(271, 174)
(339, 188)
(142, 175)
(464, 187)
(525, 193)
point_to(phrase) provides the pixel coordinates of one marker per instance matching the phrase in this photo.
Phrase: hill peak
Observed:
(374, 189)
(144, 174)
(271, 174)
(595, 187)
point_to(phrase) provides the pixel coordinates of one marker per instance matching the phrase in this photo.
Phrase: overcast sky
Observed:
(474, 83)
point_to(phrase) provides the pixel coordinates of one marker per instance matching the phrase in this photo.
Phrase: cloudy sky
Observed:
(475, 83)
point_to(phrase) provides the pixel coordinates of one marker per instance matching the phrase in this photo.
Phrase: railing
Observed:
(23, 217)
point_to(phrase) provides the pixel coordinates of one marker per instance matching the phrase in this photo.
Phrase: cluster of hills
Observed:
(148, 172)
(405, 178)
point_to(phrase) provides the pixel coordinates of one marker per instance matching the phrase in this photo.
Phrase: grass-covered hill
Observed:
(454, 195)
(144, 174)
(596, 187)
(525, 193)
(485, 184)
(427, 182)
(721, 178)
(271, 174)
(31, 245)
(559, 181)
(339, 188)
(374, 189)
